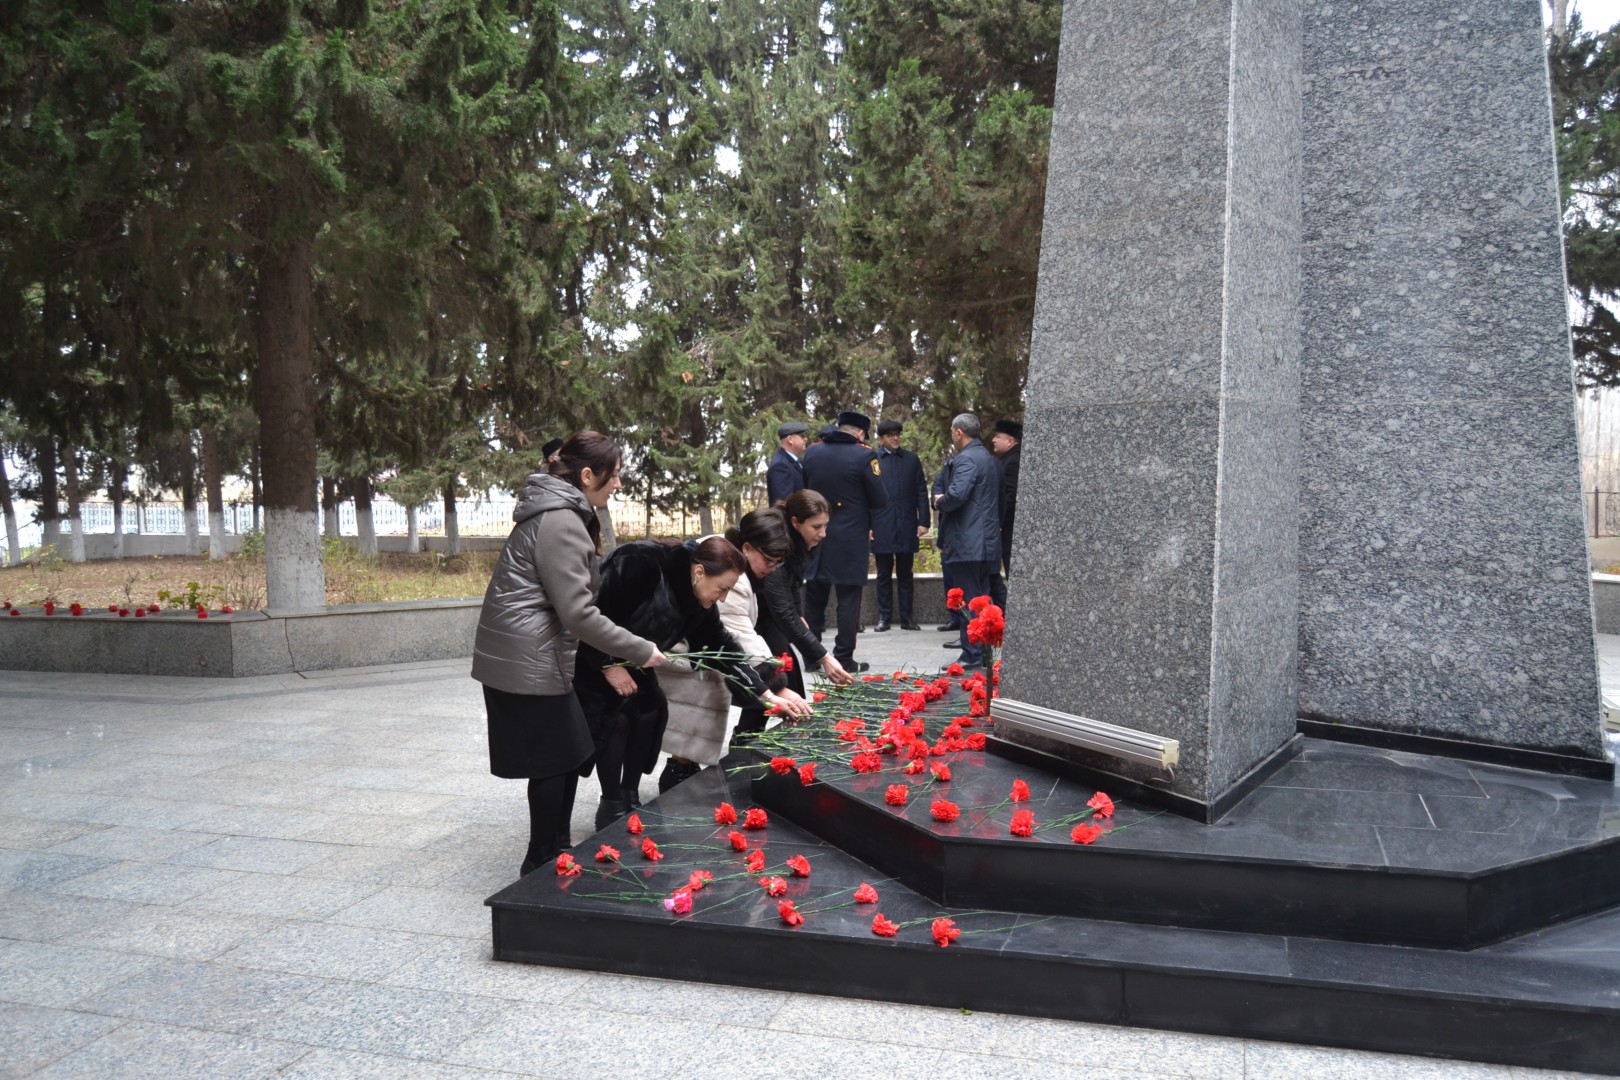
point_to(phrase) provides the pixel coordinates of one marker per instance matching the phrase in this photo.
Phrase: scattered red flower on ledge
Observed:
(866, 762)
(649, 850)
(783, 765)
(202, 613)
(725, 814)
(799, 865)
(941, 771)
(755, 861)
(896, 794)
(633, 824)
(680, 903)
(607, 853)
(945, 931)
(773, 886)
(140, 613)
(755, 818)
(976, 741)
(226, 610)
(1023, 823)
(1102, 804)
(944, 810)
(50, 608)
(789, 913)
(1020, 791)
(866, 894)
(954, 600)
(883, 927)
(915, 767)
(698, 879)
(807, 774)
(818, 697)
(75, 608)
(1085, 834)
(955, 669)
(566, 866)
(739, 842)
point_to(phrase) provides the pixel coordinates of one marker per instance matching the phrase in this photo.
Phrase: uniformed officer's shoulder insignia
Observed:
(875, 470)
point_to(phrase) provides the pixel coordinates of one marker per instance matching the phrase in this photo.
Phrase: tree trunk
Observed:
(706, 520)
(413, 539)
(284, 388)
(70, 478)
(13, 538)
(329, 508)
(188, 497)
(117, 483)
(50, 506)
(364, 526)
(452, 530)
(610, 539)
(214, 483)
(258, 489)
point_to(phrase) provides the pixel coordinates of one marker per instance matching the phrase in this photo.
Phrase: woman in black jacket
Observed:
(781, 593)
(666, 594)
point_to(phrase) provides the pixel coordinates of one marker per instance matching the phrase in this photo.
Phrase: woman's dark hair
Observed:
(587, 450)
(804, 504)
(766, 529)
(717, 556)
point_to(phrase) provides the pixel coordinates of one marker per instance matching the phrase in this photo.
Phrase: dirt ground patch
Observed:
(239, 581)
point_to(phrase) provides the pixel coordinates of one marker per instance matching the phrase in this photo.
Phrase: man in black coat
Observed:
(897, 527)
(846, 473)
(1006, 444)
(969, 511)
(786, 472)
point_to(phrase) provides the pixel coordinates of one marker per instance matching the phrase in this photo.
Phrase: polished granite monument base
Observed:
(1236, 929)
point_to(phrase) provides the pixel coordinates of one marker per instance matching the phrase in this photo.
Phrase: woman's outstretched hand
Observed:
(658, 659)
(835, 671)
(622, 682)
(790, 703)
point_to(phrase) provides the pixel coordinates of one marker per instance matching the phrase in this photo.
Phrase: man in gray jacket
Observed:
(968, 501)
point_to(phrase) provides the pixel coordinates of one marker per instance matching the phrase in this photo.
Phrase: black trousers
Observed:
(899, 564)
(849, 615)
(974, 579)
(954, 619)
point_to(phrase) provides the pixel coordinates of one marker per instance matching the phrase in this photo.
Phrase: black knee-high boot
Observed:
(610, 766)
(551, 804)
(640, 747)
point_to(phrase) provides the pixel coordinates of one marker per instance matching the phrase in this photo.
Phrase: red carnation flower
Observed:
(725, 814)
(680, 903)
(755, 818)
(755, 861)
(865, 762)
(944, 810)
(14, 611)
(607, 853)
(786, 662)
(807, 774)
(566, 866)
(50, 608)
(799, 865)
(123, 613)
(783, 765)
(865, 894)
(945, 931)
(941, 771)
(883, 927)
(818, 697)
(978, 603)
(773, 886)
(976, 741)
(202, 613)
(153, 608)
(739, 842)
(649, 850)
(140, 613)
(1084, 833)
(896, 794)
(110, 608)
(226, 610)
(1102, 804)
(955, 669)
(633, 824)
(698, 879)
(75, 608)
(915, 767)
(1020, 791)
(954, 600)
(1023, 822)
(789, 913)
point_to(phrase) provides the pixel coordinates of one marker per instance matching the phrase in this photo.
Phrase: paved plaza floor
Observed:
(285, 876)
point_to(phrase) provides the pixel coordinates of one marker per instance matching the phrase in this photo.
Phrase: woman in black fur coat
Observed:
(665, 593)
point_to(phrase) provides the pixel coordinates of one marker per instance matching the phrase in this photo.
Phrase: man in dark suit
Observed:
(897, 527)
(1005, 444)
(786, 472)
(846, 472)
(969, 511)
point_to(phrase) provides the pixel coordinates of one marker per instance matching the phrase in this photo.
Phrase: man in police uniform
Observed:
(786, 472)
(846, 473)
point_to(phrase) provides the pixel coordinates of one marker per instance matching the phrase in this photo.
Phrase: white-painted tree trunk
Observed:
(413, 539)
(50, 534)
(452, 528)
(13, 537)
(193, 537)
(118, 530)
(295, 579)
(70, 471)
(216, 536)
(366, 532)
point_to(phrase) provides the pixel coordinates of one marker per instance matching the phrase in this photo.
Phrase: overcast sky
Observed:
(1595, 14)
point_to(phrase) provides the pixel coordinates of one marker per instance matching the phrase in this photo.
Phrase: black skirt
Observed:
(535, 736)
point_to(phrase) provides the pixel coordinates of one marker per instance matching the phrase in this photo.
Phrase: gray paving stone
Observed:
(258, 854)
(385, 866)
(282, 897)
(218, 996)
(272, 821)
(357, 953)
(383, 1020)
(464, 966)
(558, 1042)
(37, 834)
(29, 915)
(42, 870)
(181, 812)
(1282, 1061)
(34, 1037)
(164, 1052)
(323, 1064)
(808, 1056)
(380, 830)
(421, 911)
(146, 883)
(133, 842)
(173, 933)
(35, 973)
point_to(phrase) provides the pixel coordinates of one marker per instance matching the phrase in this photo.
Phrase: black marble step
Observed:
(1343, 841)
(1549, 999)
